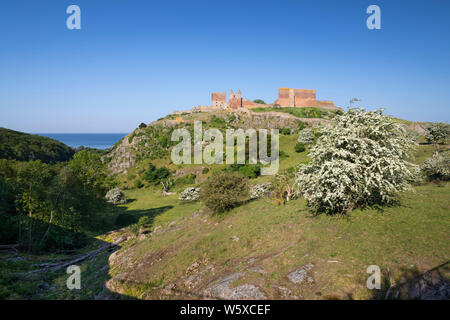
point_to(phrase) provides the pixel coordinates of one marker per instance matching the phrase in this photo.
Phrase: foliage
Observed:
(217, 122)
(52, 206)
(438, 166)
(306, 136)
(155, 175)
(307, 112)
(437, 132)
(142, 125)
(285, 131)
(144, 221)
(24, 147)
(299, 147)
(224, 191)
(115, 196)
(138, 184)
(186, 179)
(259, 101)
(205, 170)
(301, 125)
(247, 170)
(284, 188)
(359, 160)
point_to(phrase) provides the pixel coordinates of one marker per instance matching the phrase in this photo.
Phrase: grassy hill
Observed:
(257, 250)
(25, 147)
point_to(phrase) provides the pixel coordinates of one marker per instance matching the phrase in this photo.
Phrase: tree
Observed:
(155, 175)
(438, 166)
(359, 160)
(259, 101)
(437, 133)
(223, 191)
(142, 125)
(33, 178)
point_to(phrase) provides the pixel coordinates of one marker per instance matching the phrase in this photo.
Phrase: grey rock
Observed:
(300, 275)
(222, 290)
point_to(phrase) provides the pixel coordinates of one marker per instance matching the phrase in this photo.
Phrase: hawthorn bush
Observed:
(306, 136)
(438, 166)
(359, 160)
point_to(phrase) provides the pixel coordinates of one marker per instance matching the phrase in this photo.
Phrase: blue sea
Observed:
(92, 140)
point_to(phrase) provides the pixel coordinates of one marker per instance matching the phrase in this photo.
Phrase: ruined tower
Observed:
(235, 100)
(219, 100)
(288, 97)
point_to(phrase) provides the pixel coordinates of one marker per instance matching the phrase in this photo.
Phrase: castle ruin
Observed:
(287, 97)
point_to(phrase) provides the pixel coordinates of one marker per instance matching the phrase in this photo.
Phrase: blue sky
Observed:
(135, 61)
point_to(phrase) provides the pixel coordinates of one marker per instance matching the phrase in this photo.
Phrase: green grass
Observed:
(303, 112)
(411, 235)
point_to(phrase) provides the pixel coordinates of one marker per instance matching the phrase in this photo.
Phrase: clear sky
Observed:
(135, 61)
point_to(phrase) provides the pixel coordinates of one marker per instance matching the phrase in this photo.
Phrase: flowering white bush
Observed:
(437, 132)
(359, 160)
(306, 136)
(438, 166)
(115, 196)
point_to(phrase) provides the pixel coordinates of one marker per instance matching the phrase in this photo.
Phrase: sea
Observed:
(91, 140)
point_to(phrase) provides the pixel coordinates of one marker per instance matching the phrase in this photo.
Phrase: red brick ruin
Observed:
(287, 97)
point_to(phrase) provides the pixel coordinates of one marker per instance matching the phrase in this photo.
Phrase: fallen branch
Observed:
(55, 266)
(8, 246)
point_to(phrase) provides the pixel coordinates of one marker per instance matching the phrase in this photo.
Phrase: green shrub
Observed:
(437, 132)
(138, 184)
(259, 101)
(285, 131)
(144, 221)
(142, 125)
(301, 125)
(438, 166)
(205, 170)
(155, 175)
(247, 170)
(186, 179)
(224, 191)
(300, 147)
